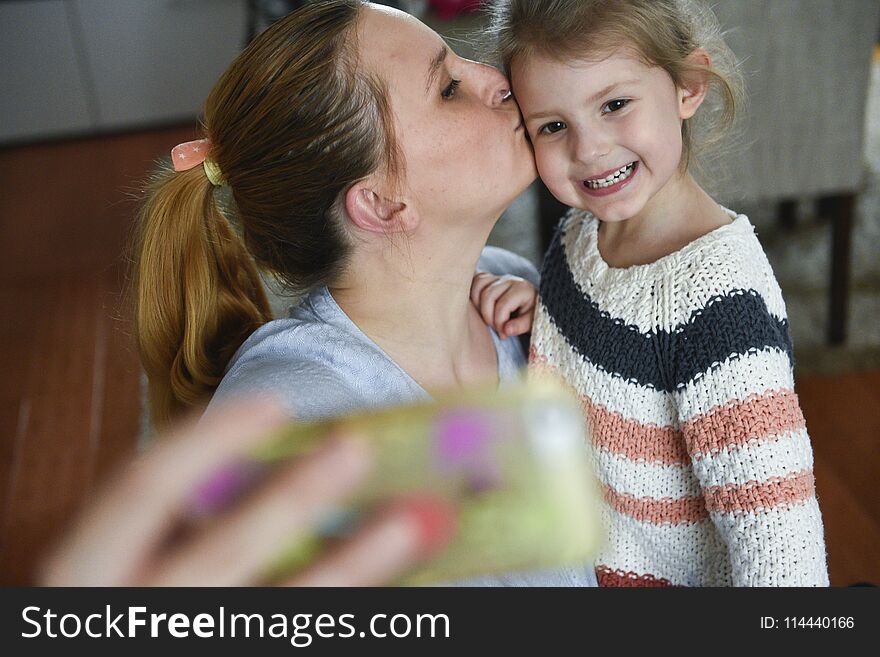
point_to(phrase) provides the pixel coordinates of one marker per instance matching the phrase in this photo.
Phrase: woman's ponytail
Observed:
(293, 122)
(197, 292)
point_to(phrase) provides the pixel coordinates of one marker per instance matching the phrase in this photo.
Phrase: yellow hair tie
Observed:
(213, 173)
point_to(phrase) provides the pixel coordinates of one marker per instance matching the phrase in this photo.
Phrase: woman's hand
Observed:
(506, 303)
(145, 528)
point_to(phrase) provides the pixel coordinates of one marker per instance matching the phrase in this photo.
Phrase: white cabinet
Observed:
(80, 66)
(41, 89)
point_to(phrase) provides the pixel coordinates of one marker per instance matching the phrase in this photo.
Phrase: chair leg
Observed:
(839, 210)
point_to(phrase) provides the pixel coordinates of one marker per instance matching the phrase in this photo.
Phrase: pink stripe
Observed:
(620, 578)
(758, 416)
(792, 489)
(632, 439)
(665, 511)
(750, 497)
(616, 434)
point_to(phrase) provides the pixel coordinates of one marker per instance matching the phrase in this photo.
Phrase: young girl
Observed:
(656, 304)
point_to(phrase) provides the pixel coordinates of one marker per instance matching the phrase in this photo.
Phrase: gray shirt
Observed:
(320, 364)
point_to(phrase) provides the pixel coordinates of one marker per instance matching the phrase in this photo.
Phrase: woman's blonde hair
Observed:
(664, 32)
(293, 123)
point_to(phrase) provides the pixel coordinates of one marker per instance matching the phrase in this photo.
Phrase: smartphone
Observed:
(513, 461)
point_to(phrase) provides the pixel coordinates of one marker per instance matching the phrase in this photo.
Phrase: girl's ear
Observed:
(696, 84)
(371, 211)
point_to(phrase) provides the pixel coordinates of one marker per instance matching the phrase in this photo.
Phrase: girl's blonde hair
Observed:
(664, 32)
(293, 123)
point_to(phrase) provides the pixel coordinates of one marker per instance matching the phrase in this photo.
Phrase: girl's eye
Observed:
(550, 128)
(449, 91)
(615, 105)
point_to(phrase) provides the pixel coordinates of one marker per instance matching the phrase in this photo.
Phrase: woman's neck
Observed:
(677, 215)
(414, 302)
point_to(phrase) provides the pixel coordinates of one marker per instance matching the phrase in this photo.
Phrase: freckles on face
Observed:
(461, 152)
(464, 156)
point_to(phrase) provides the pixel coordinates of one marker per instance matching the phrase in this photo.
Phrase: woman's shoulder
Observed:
(293, 361)
(316, 362)
(500, 262)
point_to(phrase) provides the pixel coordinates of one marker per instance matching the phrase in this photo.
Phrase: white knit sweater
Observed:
(684, 368)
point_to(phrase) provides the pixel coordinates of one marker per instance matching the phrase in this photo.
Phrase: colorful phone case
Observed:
(513, 461)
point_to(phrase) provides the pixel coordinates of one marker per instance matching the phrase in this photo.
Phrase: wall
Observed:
(85, 66)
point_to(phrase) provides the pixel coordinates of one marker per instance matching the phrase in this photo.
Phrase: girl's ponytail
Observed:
(197, 292)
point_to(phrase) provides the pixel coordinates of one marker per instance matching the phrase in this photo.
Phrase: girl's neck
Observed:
(674, 217)
(414, 302)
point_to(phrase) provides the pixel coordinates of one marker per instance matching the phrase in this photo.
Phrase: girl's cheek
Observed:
(550, 172)
(554, 161)
(542, 162)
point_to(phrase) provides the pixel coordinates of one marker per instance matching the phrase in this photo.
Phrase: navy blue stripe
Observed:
(730, 325)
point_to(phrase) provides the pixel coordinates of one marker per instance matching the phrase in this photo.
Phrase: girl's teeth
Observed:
(623, 172)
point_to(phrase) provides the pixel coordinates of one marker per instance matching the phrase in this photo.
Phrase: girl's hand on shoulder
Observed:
(506, 303)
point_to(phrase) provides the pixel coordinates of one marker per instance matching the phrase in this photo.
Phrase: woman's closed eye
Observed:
(615, 105)
(552, 127)
(450, 89)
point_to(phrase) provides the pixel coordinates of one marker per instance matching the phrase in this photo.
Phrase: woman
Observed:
(368, 164)
(364, 156)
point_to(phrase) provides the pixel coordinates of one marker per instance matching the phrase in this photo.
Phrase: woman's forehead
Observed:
(392, 41)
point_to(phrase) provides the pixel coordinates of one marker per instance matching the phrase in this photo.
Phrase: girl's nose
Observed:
(589, 146)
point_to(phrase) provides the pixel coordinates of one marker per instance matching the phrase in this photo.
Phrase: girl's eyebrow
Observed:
(596, 96)
(536, 115)
(611, 87)
(434, 67)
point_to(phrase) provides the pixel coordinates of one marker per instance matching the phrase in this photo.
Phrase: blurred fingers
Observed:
(235, 548)
(137, 509)
(385, 547)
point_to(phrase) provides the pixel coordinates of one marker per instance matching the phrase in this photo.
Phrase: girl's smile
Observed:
(607, 131)
(611, 181)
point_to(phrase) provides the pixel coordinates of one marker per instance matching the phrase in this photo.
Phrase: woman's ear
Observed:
(693, 91)
(371, 211)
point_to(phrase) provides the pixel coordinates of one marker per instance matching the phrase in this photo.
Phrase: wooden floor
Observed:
(69, 395)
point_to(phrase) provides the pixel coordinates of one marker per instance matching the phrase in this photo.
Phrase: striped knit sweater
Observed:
(684, 369)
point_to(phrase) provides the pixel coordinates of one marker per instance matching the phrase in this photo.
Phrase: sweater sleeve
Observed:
(747, 440)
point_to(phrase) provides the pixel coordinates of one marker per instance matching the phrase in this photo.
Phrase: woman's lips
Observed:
(611, 189)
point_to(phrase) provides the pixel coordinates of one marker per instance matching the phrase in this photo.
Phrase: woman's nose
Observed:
(494, 86)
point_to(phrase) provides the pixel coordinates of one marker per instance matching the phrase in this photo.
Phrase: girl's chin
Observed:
(613, 215)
